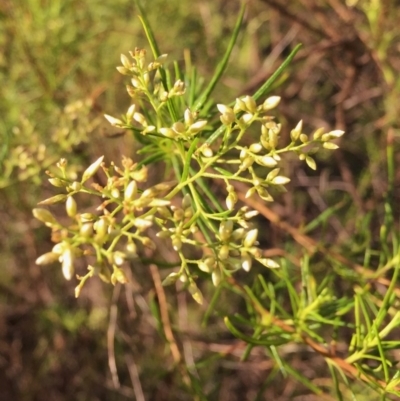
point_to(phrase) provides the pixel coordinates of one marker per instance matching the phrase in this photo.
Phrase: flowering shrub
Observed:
(196, 146)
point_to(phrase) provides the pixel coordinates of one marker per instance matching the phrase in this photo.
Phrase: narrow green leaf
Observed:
(221, 67)
(264, 88)
(188, 159)
(156, 53)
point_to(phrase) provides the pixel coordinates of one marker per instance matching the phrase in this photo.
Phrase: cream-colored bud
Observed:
(164, 96)
(336, 133)
(246, 163)
(303, 138)
(272, 174)
(176, 244)
(139, 117)
(186, 201)
(311, 162)
(223, 252)
(196, 293)
(123, 70)
(130, 112)
(136, 83)
(250, 238)
(264, 194)
(330, 145)
(250, 214)
(240, 105)
(114, 121)
(246, 261)
(44, 216)
(255, 148)
(268, 263)
(206, 151)
(280, 180)
(59, 248)
(171, 279)
(67, 259)
(197, 126)
(119, 258)
(159, 202)
(71, 206)
(189, 118)
(267, 161)
(47, 258)
(130, 191)
(101, 227)
(318, 133)
(115, 193)
(208, 264)
(125, 61)
(250, 192)
(238, 234)
(271, 102)
(246, 118)
(168, 132)
(295, 133)
(231, 200)
(92, 169)
(56, 182)
(216, 277)
(179, 127)
(86, 230)
(142, 224)
(228, 115)
(76, 186)
(250, 103)
(118, 276)
(87, 217)
(225, 230)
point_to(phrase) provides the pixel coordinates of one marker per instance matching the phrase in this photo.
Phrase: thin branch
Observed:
(134, 375)
(111, 336)
(162, 300)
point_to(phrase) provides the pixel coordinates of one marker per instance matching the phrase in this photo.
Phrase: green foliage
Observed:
(186, 204)
(191, 151)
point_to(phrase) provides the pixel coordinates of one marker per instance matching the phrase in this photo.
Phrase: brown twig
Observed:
(134, 375)
(111, 336)
(162, 301)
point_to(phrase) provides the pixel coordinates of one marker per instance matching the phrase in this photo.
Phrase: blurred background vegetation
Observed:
(58, 78)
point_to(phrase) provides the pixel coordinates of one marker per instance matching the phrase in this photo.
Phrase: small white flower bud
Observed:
(197, 126)
(295, 133)
(250, 238)
(216, 277)
(188, 117)
(271, 102)
(114, 121)
(225, 230)
(92, 169)
(44, 216)
(125, 61)
(250, 103)
(267, 161)
(71, 206)
(223, 252)
(67, 259)
(130, 112)
(130, 191)
(256, 147)
(47, 258)
(280, 180)
(140, 119)
(179, 127)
